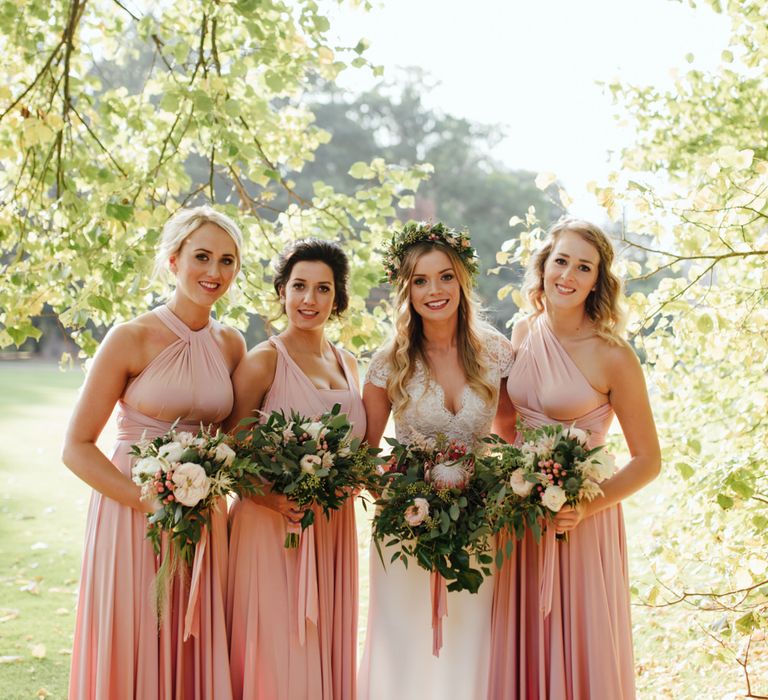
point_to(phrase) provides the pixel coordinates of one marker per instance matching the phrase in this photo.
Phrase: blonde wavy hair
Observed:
(603, 305)
(407, 346)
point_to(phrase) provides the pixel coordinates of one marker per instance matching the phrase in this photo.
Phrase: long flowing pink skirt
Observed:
(276, 653)
(115, 652)
(198, 669)
(583, 649)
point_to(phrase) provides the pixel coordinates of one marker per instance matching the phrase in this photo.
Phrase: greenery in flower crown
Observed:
(414, 233)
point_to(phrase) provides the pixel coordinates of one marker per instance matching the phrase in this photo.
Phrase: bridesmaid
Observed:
(292, 614)
(172, 363)
(573, 367)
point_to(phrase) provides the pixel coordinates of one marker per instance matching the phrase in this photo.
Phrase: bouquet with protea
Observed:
(313, 461)
(432, 509)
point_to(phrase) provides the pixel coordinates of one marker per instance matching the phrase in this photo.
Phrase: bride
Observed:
(441, 374)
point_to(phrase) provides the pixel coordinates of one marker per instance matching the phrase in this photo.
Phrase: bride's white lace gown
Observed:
(398, 660)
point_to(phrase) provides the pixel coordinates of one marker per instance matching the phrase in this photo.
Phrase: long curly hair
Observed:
(603, 305)
(407, 346)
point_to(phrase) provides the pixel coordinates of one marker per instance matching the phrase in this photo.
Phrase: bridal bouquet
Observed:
(312, 461)
(433, 507)
(187, 473)
(552, 467)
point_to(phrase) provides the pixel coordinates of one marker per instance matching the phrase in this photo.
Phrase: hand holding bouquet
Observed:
(312, 461)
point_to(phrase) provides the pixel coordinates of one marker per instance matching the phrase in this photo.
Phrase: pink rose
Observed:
(416, 514)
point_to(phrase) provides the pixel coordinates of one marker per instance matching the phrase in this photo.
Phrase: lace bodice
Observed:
(426, 413)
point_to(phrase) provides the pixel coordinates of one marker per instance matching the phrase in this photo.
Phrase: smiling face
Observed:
(570, 272)
(434, 289)
(205, 264)
(309, 294)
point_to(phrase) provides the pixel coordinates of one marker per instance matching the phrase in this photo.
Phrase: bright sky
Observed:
(531, 66)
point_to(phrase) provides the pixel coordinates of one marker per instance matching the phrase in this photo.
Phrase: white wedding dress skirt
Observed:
(398, 663)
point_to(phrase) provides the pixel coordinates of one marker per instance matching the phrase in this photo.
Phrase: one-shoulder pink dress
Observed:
(292, 613)
(581, 649)
(118, 652)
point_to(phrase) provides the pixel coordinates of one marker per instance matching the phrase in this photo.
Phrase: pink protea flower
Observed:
(449, 475)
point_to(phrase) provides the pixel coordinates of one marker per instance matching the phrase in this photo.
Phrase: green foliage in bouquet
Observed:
(433, 509)
(187, 474)
(312, 461)
(553, 467)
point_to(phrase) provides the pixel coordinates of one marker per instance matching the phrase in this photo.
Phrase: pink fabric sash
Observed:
(547, 565)
(439, 610)
(307, 596)
(192, 615)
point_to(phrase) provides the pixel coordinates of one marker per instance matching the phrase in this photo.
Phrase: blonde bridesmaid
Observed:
(292, 613)
(573, 367)
(170, 364)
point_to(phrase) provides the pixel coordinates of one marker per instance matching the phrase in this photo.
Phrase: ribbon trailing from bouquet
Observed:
(192, 614)
(439, 610)
(307, 596)
(547, 565)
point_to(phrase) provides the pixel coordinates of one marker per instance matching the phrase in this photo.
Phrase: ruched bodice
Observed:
(546, 386)
(187, 381)
(292, 390)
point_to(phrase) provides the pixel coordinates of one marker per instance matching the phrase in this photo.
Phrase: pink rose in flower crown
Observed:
(190, 484)
(416, 514)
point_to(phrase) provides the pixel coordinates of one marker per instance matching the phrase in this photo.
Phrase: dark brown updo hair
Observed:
(316, 250)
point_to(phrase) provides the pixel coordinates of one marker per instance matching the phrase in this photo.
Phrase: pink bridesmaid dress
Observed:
(576, 645)
(118, 652)
(292, 613)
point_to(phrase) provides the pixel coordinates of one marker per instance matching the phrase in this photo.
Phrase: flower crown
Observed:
(414, 233)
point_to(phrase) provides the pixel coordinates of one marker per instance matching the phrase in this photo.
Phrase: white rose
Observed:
(224, 453)
(146, 465)
(600, 467)
(327, 460)
(581, 435)
(191, 484)
(171, 451)
(184, 438)
(553, 498)
(416, 513)
(315, 430)
(344, 451)
(519, 485)
(449, 475)
(309, 463)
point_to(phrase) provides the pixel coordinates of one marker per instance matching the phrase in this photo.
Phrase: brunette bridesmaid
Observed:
(292, 613)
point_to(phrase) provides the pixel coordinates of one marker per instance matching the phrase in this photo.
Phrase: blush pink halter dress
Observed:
(118, 652)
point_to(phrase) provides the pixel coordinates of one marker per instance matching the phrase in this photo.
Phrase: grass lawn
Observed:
(42, 517)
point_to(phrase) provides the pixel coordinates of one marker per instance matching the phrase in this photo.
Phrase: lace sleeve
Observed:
(500, 353)
(378, 370)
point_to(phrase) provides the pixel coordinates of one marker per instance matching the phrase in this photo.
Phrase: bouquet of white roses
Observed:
(312, 461)
(187, 474)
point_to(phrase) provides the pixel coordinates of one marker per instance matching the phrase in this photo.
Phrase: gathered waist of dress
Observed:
(133, 425)
(596, 428)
